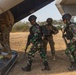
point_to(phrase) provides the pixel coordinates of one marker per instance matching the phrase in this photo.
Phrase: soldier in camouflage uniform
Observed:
(6, 23)
(47, 37)
(70, 34)
(37, 45)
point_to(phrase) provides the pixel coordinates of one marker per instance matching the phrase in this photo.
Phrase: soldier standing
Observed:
(70, 34)
(37, 45)
(47, 37)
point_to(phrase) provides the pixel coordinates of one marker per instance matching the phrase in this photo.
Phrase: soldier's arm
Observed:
(64, 32)
(55, 30)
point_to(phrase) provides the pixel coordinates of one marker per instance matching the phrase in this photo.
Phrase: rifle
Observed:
(28, 43)
(64, 37)
(68, 35)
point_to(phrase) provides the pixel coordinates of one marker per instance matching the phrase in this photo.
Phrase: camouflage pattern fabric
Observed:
(6, 23)
(49, 38)
(37, 45)
(70, 51)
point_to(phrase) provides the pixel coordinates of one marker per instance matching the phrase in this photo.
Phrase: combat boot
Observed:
(54, 57)
(72, 66)
(3, 50)
(7, 55)
(46, 67)
(27, 68)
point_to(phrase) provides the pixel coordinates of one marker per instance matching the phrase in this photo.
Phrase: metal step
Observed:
(7, 64)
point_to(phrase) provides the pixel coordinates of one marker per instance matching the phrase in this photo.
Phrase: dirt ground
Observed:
(58, 67)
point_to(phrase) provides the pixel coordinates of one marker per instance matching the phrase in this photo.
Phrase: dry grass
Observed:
(58, 67)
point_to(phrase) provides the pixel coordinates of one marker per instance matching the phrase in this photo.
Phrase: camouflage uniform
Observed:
(37, 45)
(70, 34)
(49, 38)
(72, 41)
(6, 23)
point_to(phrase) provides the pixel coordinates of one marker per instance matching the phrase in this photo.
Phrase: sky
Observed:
(49, 11)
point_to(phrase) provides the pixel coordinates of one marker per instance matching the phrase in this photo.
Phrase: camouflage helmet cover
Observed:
(32, 17)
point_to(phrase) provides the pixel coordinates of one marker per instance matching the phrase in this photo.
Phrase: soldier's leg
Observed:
(51, 42)
(6, 23)
(30, 59)
(73, 62)
(5, 40)
(45, 42)
(73, 53)
(70, 53)
(43, 56)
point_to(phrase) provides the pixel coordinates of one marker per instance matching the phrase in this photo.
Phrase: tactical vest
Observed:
(73, 29)
(39, 35)
(70, 31)
(46, 31)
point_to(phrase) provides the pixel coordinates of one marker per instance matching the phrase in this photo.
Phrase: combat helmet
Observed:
(66, 16)
(49, 20)
(32, 17)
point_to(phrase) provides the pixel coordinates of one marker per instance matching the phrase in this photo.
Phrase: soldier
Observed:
(70, 34)
(47, 37)
(6, 23)
(37, 45)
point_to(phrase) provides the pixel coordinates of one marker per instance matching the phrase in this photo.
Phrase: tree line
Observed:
(24, 26)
